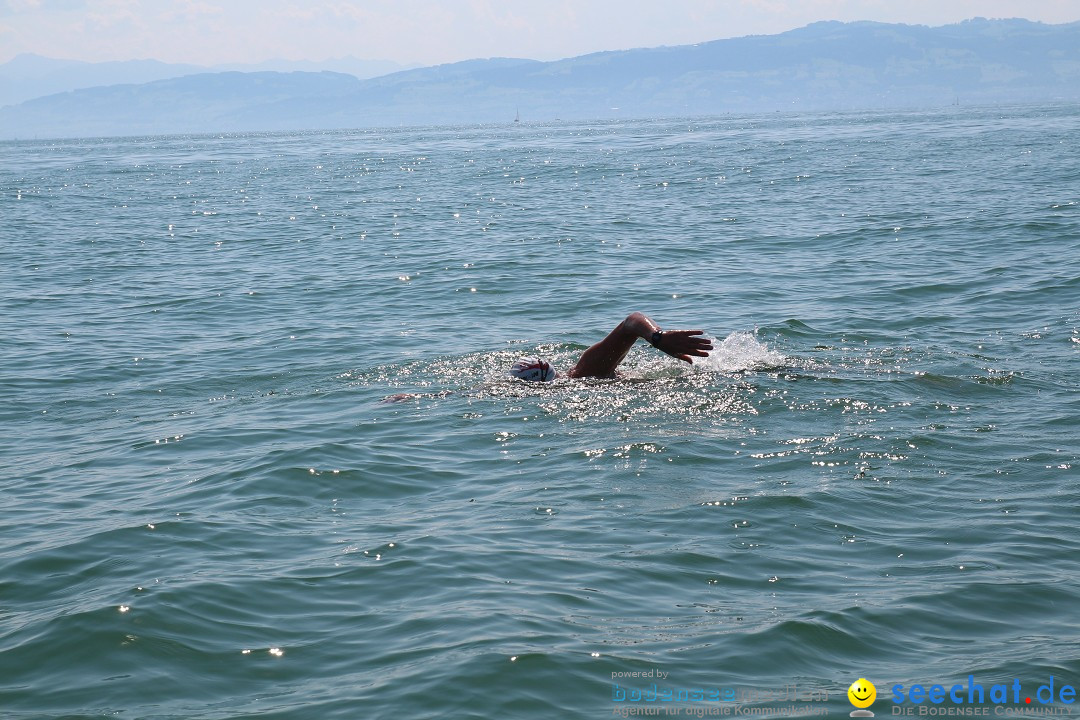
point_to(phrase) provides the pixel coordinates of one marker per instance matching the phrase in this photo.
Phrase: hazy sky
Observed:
(428, 32)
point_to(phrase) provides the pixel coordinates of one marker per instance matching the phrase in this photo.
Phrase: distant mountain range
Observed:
(827, 65)
(29, 76)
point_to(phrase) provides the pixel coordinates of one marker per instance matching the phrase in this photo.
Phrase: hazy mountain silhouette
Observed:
(30, 76)
(827, 65)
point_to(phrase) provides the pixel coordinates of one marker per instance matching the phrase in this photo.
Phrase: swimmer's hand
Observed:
(683, 344)
(601, 359)
(402, 397)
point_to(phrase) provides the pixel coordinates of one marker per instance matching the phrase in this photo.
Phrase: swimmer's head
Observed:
(533, 369)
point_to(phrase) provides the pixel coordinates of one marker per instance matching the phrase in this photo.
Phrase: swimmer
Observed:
(602, 359)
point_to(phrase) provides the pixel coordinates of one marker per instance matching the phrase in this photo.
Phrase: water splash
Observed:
(739, 352)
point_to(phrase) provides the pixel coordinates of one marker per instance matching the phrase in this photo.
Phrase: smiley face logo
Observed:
(862, 693)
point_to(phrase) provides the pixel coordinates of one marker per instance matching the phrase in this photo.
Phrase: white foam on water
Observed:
(740, 351)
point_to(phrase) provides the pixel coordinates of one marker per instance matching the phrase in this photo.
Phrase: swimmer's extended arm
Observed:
(602, 358)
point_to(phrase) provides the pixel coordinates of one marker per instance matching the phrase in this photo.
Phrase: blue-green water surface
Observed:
(209, 511)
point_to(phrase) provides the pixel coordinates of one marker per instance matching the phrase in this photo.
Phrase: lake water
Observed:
(209, 511)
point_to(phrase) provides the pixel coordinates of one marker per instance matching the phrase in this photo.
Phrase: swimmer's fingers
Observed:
(400, 397)
(684, 344)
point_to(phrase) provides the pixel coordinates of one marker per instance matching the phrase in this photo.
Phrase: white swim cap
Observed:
(533, 369)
